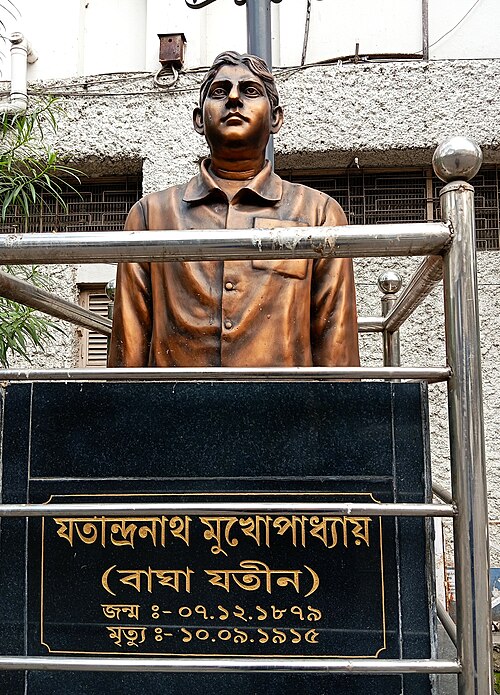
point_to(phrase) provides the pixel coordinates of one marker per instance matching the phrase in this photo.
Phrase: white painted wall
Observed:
(85, 37)
(380, 26)
(80, 37)
(474, 37)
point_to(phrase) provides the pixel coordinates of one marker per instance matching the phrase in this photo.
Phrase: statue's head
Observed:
(239, 103)
(255, 64)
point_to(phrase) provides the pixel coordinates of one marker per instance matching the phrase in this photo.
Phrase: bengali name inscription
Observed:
(251, 585)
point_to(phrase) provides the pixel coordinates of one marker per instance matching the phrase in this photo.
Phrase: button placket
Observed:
(235, 219)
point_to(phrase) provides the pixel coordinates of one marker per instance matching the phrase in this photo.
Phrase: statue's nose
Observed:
(234, 94)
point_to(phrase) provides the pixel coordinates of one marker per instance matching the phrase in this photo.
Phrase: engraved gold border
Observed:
(219, 494)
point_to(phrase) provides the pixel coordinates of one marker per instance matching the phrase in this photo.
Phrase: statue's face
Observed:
(237, 112)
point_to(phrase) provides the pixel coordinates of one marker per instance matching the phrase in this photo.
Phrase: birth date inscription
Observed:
(247, 585)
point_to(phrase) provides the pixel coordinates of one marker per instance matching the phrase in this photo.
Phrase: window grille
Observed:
(406, 196)
(366, 197)
(374, 198)
(99, 205)
(487, 205)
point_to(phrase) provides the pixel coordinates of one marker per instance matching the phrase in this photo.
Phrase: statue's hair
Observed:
(253, 63)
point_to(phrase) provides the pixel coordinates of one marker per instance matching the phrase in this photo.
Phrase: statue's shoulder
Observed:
(164, 195)
(312, 198)
(159, 210)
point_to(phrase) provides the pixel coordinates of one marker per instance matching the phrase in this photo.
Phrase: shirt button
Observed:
(229, 286)
(228, 323)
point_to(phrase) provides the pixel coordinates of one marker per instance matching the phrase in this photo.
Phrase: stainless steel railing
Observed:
(453, 242)
(430, 374)
(230, 665)
(416, 239)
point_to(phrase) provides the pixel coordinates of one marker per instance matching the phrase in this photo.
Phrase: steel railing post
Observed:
(390, 283)
(456, 161)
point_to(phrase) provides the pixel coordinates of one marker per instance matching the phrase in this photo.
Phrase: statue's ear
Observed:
(198, 121)
(276, 120)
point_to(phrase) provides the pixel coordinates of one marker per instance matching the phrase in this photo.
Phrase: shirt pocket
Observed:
(293, 268)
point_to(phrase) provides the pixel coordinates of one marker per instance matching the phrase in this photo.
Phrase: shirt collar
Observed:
(266, 185)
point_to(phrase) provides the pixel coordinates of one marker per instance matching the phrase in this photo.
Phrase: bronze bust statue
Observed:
(236, 313)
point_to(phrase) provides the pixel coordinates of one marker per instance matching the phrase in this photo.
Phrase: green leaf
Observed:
(30, 178)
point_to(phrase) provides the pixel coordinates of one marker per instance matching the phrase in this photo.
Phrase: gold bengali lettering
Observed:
(286, 523)
(253, 574)
(66, 529)
(142, 579)
(179, 527)
(113, 610)
(325, 528)
(251, 526)
(360, 532)
(123, 531)
(330, 530)
(132, 636)
(215, 524)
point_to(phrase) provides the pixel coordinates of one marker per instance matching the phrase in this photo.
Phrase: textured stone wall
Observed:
(386, 114)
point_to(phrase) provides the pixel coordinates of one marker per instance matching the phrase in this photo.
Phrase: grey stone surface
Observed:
(389, 114)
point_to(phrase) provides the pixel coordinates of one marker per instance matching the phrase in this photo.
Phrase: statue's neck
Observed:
(231, 179)
(238, 169)
(229, 186)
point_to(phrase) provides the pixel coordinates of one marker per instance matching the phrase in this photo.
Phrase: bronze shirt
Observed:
(235, 313)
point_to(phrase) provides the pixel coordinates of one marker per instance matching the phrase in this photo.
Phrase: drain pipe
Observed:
(21, 54)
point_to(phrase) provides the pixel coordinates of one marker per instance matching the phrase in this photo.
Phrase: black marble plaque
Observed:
(252, 585)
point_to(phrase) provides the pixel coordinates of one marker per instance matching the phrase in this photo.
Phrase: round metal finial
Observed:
(389, 282)
(457, 158)
(111, 289)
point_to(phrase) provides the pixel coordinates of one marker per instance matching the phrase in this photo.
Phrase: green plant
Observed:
(20, 326)
(30, 175)
(29, 167)
(497, 682)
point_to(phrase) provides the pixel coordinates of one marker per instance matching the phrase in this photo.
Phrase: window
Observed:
(99, 205)
(378, 197)
(93, 346)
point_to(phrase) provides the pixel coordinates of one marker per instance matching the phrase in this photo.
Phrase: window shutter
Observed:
(94, 346)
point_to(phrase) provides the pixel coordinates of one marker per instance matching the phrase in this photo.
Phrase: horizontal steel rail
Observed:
(424, 280)
(37, 298)
(416, 239)
(198, 508)
(228, 665)
(430, 374)
(370, 324)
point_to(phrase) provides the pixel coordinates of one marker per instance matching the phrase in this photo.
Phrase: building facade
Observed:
(368, 89)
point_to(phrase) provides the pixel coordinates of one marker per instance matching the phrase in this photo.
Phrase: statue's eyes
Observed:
(251, 91)
(218, 93)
